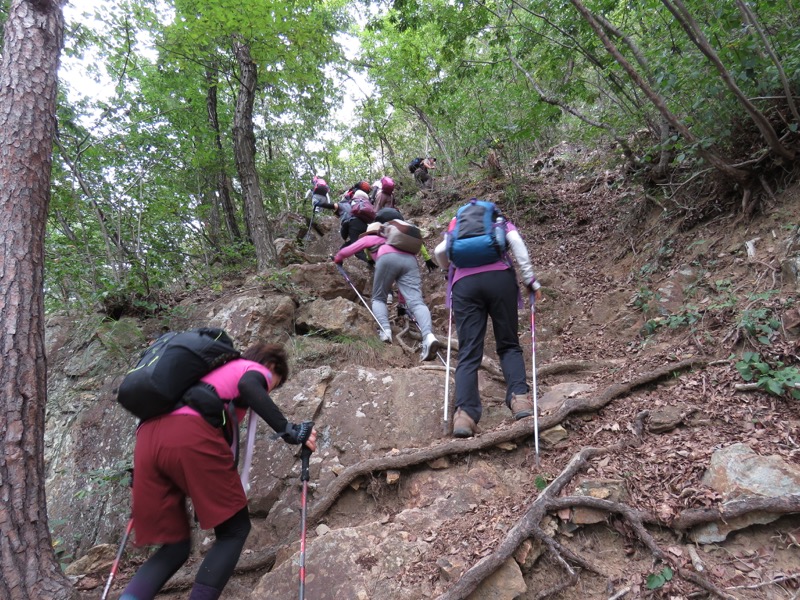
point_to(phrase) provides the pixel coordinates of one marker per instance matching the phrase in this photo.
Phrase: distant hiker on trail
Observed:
(422, 172)
(394, 265)
(384, 196)
(319, 191)
(354, 216)
(182, 454)
(483, 284)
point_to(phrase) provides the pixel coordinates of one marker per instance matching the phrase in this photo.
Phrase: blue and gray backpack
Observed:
(477, 235)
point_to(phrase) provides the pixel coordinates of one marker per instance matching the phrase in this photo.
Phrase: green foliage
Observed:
(687, 317)
(101, 482)
(657, 580)
(773, 376)
(760, 323)
(643, 298)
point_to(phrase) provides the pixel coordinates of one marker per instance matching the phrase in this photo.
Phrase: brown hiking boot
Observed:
(463, 425)
(521, 406)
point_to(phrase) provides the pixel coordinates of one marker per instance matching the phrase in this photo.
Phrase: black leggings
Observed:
(219, 563)
(216, 569)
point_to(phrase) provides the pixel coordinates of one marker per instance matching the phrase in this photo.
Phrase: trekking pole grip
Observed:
(305, 452)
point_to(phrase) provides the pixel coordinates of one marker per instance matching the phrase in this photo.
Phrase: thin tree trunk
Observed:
(33, 37)
(751, 19)
(223, 181)
(432, 131)
(244, 143)
(113, 262)
(614, 81)
(712, 157)
(698, 38)
(544, 97)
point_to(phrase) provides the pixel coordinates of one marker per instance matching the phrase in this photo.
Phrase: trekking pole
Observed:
(533, 359)
(115, 565)
(445, 423)
(248, 453)
(305, 455)
(364, 302)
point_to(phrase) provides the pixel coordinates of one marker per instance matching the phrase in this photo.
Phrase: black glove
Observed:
(432, 266)
(297, 434)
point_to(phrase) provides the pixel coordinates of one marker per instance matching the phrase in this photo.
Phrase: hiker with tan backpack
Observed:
(394, 246)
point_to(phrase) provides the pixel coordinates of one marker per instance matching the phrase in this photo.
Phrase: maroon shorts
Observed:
(178, 456)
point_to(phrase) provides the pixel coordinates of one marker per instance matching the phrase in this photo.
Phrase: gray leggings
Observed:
(402, 268)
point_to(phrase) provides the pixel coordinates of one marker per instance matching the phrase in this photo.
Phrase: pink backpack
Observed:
(387, 185)
(362, 207)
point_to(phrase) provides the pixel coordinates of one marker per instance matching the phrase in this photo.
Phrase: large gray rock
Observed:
(252, 317)
(336, 317)
(737, 473)
(375, 559)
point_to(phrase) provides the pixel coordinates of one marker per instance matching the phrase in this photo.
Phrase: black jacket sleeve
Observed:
(253, 392)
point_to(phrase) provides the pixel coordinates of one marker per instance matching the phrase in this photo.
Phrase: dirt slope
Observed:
(626, 282)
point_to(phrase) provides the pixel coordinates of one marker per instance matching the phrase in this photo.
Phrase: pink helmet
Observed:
(387, 184)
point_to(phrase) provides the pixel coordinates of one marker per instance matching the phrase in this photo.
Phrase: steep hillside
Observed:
(644, 319)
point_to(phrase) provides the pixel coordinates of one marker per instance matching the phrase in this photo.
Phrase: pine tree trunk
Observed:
(33, 37)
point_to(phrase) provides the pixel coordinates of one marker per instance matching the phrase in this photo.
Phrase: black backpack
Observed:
(170, 366)
(415, 164)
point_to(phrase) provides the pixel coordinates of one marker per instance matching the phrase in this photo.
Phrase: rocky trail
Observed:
(658, 474)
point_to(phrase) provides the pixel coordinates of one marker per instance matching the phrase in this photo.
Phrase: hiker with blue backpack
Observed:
(186, 453)
(394, 246)
(482, 283)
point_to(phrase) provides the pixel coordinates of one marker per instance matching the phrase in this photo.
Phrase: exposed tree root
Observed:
(519, 429)
(697, 516)
(549, 501)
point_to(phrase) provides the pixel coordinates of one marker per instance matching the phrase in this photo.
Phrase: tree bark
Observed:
(223, 181)
(33, 37)
(244, 142)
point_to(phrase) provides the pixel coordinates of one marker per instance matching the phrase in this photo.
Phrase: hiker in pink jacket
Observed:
(186, 454)
(394, 265)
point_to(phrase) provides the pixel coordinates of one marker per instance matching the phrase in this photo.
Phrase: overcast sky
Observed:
(73, 70)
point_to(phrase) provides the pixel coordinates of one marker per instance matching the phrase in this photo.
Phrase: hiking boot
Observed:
(521, 406)
(463, 425)
(386, 336)
(429, 347)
